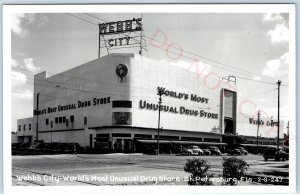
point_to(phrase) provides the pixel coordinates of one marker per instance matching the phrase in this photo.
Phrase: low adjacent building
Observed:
(26, 132)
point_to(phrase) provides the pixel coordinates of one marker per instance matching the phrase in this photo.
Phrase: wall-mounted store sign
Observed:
(72, 106)
(267, 123)
(177, 110)
(182, 95)
(117, 28)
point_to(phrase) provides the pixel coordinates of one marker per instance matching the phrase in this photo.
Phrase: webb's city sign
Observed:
(119, 27)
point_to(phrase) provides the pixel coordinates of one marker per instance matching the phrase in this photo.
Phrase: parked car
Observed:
(206, 152)
(25, 146)
(50, 146)
(191, 150)
(286, 149)
(60, 147)
(15, 145)
(243, 151)
(276, 154)
(70, 148)
(214, 150)
(236, 152)
(41, 147)
(34, 145)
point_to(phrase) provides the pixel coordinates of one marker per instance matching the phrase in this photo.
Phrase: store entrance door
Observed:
(127, 144)
(229, 128)
(119, 144)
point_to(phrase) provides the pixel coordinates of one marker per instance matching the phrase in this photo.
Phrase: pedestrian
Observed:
(115, 146)
(74, 149)
(180, 149)
(134, 148)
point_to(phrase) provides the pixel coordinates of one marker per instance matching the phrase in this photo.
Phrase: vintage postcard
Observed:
(161, 98)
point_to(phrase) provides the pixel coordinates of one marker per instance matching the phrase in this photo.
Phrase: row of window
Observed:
(148, 136)
(65, 120)
(24, 127)
(262, 142)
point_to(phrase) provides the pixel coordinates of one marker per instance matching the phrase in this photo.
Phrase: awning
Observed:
(149, 141)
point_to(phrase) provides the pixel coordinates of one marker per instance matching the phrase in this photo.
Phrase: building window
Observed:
(144, 136)
(51, 124)
(19, 127)
(56, 119)
(121, 104)
(60, 119)
(67, 122)
(103, 135)
(212, 139)
(64, 119)
(85, 120)
(121, 118)
(167, 137)
(121, 135)
(29, 126)
(191, 138)
(72, 118)
(47, 121)
(24, 127)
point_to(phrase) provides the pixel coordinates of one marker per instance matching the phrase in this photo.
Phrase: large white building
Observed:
(112, 103)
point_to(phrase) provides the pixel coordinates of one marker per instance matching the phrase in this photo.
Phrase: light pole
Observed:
(37, 116)
(160, 92)
(258, 123)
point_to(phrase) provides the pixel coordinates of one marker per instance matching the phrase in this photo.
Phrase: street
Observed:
(128, 169)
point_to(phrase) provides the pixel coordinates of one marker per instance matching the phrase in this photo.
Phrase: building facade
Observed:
(112, 103)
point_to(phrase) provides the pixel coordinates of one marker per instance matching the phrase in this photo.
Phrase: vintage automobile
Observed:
(206, 152)
(25, 146)
(214, 150)
(34, 146)
(276, 154)
(15, 145)
(236, 152)
(192, 150)
(60, 148)
(243, 151)
(70, 148)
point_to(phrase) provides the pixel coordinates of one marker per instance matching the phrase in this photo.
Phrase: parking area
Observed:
(128, 169)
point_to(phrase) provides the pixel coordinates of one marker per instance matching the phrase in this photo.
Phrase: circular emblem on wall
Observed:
(121, 71)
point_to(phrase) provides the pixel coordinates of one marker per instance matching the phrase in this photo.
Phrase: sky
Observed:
(253, 47)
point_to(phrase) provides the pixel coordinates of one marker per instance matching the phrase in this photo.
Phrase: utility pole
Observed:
(258, 123)
(278, 121)
(37, 116)
(141, 40)
(160, 92)
(99, 42)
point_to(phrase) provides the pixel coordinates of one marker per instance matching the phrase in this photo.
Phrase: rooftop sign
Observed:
(116, 34)
(120, 26)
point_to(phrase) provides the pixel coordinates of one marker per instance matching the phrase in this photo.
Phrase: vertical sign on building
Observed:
(228, 111)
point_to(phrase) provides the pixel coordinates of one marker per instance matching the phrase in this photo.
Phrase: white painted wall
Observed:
(149, 74)
(98, 79)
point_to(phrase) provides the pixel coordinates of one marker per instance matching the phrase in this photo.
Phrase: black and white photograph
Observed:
(187, 97)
